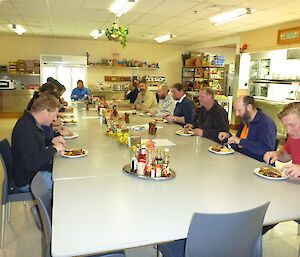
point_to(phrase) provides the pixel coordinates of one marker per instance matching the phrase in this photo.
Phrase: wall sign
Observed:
(288, 36)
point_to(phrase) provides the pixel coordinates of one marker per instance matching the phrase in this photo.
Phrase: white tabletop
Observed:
(98, 208)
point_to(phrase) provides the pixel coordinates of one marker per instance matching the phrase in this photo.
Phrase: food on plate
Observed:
(220, 148)
(74, 152)
(159, 120)
(270, 172)
(185, 132)
(69, 121)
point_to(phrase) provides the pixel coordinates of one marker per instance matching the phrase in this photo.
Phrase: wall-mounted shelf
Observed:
(121, 67)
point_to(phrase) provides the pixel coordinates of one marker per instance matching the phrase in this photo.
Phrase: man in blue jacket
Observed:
(185, 109)
(257, 132)
(80, 92)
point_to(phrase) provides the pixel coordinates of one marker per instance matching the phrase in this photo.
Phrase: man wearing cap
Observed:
(145, 100)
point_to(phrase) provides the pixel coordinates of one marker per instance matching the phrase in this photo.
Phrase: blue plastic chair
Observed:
(10, 193)
(221, 235)
(43, 198)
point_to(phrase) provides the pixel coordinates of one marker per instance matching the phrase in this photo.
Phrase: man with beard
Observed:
(257, 132)
(145, 99)
(211, 117)
(166, 103)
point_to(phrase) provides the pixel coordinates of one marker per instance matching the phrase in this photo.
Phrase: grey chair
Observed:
(43, 198)
(10, 193)
(221, 235)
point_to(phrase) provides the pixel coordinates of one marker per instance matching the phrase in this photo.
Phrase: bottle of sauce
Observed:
(133, 159)
(159, 163)
(142, 158)
(166, 163)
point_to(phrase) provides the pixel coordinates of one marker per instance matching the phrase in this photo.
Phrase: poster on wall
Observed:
(288, 36)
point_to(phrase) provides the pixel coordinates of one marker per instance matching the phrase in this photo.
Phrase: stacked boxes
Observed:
(24, 67)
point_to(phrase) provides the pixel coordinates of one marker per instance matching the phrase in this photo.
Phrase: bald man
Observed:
(257, 132)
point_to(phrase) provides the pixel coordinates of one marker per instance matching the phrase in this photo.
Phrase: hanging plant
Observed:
(117, 33)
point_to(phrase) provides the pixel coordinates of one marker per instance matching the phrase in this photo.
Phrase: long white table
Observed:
(98, 208)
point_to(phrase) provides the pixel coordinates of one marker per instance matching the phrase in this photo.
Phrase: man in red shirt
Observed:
(290, 118)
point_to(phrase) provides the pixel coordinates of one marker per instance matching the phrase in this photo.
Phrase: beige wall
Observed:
(168, 57)
(266, 39)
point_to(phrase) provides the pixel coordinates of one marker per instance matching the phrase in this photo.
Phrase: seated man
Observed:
(211, 118)
(29, 150)
(145, 99)
(80, 92)
(166, 104)
(185, 109)
(257, 132)
(290, 118)
(133, 92)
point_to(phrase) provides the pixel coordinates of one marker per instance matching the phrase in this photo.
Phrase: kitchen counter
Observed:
(14, 101)
(108, 94)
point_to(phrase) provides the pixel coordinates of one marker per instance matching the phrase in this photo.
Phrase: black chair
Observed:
(43, 197)
(10, 193)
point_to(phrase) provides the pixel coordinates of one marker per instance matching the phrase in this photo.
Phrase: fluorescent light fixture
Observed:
(122, 6)
(164, 38)
(96, 33)
(17, 28)
(231, 15)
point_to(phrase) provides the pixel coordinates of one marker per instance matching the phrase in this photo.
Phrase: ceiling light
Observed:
(231, 15)
(122, 6)
(96, 33)
(164, 38)
(17, 28)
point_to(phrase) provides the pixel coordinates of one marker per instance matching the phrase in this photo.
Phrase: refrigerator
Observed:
(66, 69)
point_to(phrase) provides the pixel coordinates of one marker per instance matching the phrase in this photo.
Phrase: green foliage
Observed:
(117, 33)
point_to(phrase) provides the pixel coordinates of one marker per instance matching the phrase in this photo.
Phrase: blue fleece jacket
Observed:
(185, 109)
(261, 137)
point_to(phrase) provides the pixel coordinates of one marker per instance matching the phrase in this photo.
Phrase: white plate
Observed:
(181, 133)
(69, 123)
(70, 137)
(77, 156)
(160, 120)
(221, 153)
(263, 176)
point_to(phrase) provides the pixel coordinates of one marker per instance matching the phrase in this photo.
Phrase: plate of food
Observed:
(221, 149)
(69, 122)
(74, 153)
(270, 173)
(185, 133)
(160, 120)
(70, 136)
(146, 114)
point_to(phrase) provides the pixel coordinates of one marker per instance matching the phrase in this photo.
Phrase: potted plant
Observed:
(117, 33)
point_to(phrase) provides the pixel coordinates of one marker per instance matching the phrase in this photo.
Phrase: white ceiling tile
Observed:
(36, 10)
(7, 9)
(146, 20)
(177, 6)
(98, 4)
(93, 15)
(150, 20)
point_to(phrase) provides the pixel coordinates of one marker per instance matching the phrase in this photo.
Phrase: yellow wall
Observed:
(168, 57)
(266, 39)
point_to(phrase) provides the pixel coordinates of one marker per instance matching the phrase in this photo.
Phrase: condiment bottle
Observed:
(166, 162)
(159, 163)
(133, 158)
(142, 158)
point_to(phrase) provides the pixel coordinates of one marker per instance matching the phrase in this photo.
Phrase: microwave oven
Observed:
(7, 84)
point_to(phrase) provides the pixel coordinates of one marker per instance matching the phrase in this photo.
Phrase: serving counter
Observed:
(98, 208)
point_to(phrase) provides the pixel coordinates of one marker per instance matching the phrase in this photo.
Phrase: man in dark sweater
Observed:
(185, 109)
(31, 153)
(211, 118)
(257, 132)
